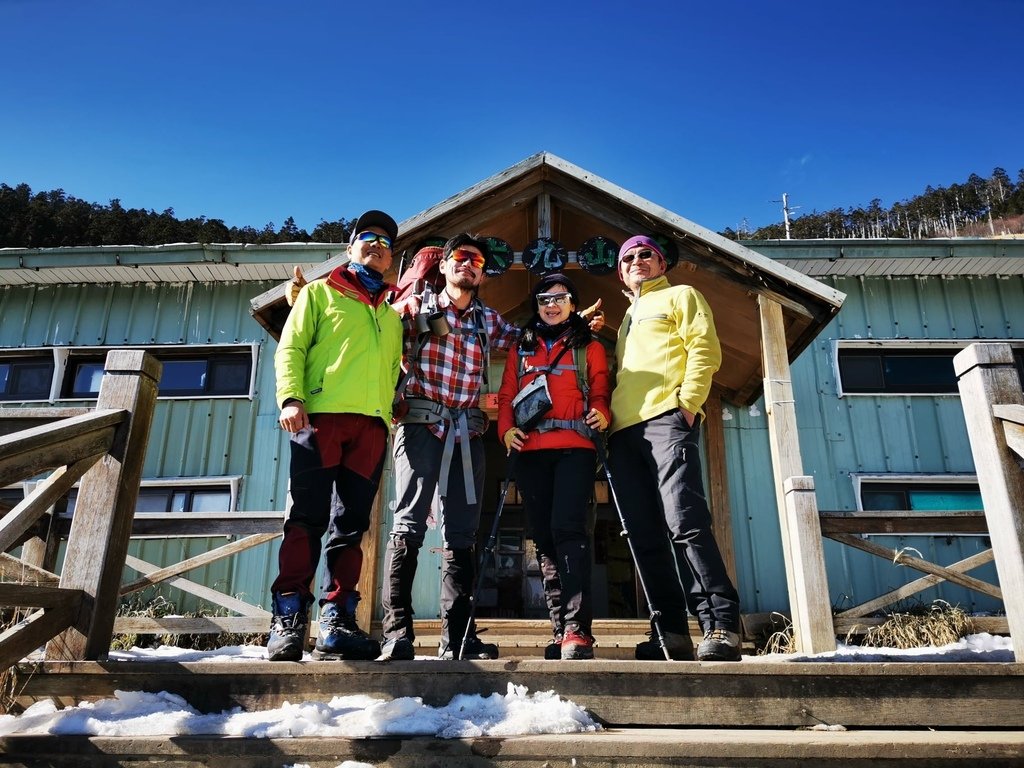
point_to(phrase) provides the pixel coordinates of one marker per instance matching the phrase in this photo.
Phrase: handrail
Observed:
(81, 608)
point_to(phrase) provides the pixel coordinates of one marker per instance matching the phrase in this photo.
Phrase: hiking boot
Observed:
(577, 645)
(397, 649)
(719, 645)
(553, 651)
(288, 628)
(679, 645)
(341, 638)
(475, 650)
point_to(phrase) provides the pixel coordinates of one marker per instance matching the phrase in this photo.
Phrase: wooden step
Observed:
(747, 694)
(636, 748)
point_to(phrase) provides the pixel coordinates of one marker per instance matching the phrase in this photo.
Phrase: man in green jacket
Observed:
(337, 365)
(667, 352)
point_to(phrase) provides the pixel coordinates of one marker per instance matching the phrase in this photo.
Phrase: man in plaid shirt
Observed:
(438, 448)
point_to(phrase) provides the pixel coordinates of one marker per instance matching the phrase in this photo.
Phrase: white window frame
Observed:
(62, 355)
(862, 478)
(915, 345)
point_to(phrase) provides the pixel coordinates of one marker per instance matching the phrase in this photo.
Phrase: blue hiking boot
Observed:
(288, 628)
(341, 638)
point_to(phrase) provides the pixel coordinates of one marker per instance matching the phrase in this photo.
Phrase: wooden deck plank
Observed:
(749, 694)
(635, 748)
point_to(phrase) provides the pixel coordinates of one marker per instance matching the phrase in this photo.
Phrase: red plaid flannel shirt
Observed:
(448, 370)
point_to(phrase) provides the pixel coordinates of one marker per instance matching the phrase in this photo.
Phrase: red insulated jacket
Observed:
(566, 398)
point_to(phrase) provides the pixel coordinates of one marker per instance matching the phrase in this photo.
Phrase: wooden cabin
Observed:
(792, 400)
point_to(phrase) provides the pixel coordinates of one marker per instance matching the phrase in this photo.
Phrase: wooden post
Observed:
(102, 523)
(718, 482)
(805, 606)
(988, 377)
(816, 630)
(372, 553)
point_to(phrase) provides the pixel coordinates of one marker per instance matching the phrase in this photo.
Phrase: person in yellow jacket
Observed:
(337, 364)
(667, 352)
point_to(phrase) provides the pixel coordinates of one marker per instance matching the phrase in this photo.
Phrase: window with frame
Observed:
(189, 371)
(902, 369)
(157, 499)
(923, 496)
(26, 377)
(185, 373)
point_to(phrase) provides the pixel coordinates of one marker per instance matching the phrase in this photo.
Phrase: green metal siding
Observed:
(838, 436)
(841, 436)
(201, 437)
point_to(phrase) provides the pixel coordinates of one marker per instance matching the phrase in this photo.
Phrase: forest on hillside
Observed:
(54, 219)
(978, 207)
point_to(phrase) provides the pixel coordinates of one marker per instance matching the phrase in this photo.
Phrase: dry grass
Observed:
(158, 607)
(779, 637)
(934, 625)
(920, 626)
(9, 617)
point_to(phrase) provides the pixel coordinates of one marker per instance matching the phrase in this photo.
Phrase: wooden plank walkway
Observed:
(748, 694)
(614, 748)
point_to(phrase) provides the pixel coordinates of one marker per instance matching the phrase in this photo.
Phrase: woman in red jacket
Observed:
(555, 465)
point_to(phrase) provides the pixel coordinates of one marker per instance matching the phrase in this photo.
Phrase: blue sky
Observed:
(252, 112)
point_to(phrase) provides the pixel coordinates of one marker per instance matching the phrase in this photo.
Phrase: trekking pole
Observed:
(656, 631)
(489, 547)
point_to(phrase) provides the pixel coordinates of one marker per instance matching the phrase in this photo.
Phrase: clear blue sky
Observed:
(254, 111)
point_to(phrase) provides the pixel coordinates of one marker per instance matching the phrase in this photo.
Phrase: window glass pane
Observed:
(183, 377)
(87, 379)
(884, 500)
(937, 500)
(151, 500)
(9, 498)
(903, 370)
(923, 496)
(213, 500)
(861, 372)
(229, 376)
(5, 369)
(179, 502)
(28, 379)
(920, 373)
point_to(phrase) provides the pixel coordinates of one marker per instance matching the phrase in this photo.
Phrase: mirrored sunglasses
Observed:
(642, 255)
(561, 299)
(369, 237)
(461, 255)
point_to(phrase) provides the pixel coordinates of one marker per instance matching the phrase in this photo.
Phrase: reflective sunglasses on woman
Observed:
(642, 255)
(561, 299)
(461, 255)
(370, 237)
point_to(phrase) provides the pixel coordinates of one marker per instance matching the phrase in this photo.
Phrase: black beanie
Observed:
(555, 278)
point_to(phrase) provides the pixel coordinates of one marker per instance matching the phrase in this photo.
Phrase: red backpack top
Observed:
(423, 270)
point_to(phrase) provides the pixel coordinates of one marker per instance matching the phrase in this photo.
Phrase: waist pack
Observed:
(424, 411)
(532, 403)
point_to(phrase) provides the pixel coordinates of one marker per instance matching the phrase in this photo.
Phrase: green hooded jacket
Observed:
(339, 351)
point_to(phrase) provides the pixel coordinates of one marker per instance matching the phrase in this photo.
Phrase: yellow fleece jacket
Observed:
(667, 352)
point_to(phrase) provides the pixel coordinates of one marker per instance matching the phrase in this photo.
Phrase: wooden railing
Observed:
(849, 527)
(105, 449)
(993, 403)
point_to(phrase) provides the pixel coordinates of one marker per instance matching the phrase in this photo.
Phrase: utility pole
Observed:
(785, 211)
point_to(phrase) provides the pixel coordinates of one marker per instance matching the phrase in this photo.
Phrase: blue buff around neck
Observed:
(372, 280)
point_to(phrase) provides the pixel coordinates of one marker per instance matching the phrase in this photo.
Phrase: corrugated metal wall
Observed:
(841, 436)
(838, 436)
(231, 437)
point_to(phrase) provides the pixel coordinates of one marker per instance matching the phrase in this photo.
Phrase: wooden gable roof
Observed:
(547, 196)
